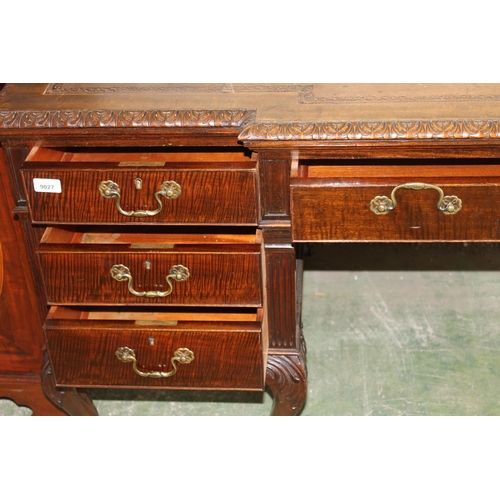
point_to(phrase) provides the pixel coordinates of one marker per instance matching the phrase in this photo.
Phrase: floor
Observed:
(390, 329)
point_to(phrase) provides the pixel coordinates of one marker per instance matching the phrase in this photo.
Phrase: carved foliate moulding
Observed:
(125, 118)
(381, 130)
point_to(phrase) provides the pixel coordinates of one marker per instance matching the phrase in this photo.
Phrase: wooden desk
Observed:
(162, 224)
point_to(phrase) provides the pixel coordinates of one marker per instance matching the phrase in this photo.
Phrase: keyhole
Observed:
(138, 183)
(147, 265)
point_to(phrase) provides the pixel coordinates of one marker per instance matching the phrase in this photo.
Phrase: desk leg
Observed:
(286, 373)
(287, 379)
(72, 401)
(26, 390)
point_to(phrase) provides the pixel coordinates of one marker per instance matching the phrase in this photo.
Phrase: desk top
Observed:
(263, 111)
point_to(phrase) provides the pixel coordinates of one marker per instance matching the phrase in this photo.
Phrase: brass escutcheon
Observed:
(182, 355)
(169, 189)
(449, 205)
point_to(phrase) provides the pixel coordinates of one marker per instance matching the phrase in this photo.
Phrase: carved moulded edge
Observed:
(353, 130)
(125, 118)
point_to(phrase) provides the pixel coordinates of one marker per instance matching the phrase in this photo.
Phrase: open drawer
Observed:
(99, 268)
(157, 350)
(123, 186)
(396, 202)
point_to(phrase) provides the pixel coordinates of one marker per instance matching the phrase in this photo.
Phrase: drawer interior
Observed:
(140, 239)
(148, 156)
(170, 316)
(380, 170)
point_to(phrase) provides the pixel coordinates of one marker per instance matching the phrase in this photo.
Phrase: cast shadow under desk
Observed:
(402, 257)
(209, 396)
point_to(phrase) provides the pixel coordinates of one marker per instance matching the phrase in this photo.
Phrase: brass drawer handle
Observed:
(182, 355)
(169, 189)
(449, 205)
(119, 272)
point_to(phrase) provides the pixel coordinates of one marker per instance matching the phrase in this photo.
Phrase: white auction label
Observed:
(47, 185)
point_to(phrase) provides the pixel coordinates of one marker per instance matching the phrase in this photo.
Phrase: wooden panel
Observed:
(275, 178)
(219, 275)
(27, 391)
(280, 273)
(324, 210)
(21, 335)
(226, 355)
(209, 195)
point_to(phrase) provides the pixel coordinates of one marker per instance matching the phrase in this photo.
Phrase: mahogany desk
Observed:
(151, 234)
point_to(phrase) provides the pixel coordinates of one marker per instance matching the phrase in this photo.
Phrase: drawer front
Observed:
(397, 210)
(82, 274)
(58, 195)
(219, 356)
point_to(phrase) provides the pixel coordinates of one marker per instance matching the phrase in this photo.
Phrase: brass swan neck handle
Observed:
(119, 272)
(169, 189)
(449, 205)
(182, 355)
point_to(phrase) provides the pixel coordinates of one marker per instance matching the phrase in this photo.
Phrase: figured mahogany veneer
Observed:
(227, 355)
(210, 195)
(332, 203)
(80, 273)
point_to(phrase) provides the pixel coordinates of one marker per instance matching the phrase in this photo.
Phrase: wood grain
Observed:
(209, 195)
(227, 355)
(80, 274)
(340, 211)
(21, 337)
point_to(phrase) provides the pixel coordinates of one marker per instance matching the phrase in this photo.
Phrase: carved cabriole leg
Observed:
(286, 373)
(72, 401)
(287, 380)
